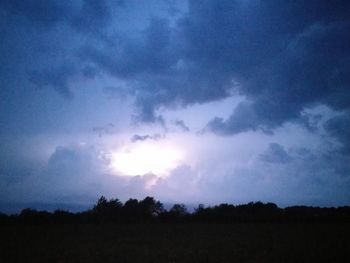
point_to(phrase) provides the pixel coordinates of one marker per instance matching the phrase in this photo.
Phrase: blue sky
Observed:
(186, 101)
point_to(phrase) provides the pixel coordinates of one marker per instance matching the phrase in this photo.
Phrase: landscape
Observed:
(174, 131)
(143, 231)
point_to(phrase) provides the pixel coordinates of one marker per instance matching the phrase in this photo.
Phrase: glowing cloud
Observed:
(146, 157)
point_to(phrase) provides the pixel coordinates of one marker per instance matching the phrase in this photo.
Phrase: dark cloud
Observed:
(181, 124)
(126, 56)
(303, 72)
(244, 118)
(85, 15)
(115, 92)
(154, 137)
(104, 130)
(89, 72)
(73, 163)
(17, 161)
(285, 57)
(281, 57)
(276, 55)
(94, 15)
(339, 127)
(55, 77)
(303, 154)
(40, 12)
(275, 154)
(42, 39)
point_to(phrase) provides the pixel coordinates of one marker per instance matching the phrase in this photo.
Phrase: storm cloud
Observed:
(255, 93)
(272, 54)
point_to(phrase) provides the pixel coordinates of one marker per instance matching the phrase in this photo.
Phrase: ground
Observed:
(176, 243)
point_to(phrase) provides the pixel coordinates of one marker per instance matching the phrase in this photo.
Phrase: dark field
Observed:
(176, 243)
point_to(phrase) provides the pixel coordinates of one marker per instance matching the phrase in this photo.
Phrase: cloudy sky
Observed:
(186, 101)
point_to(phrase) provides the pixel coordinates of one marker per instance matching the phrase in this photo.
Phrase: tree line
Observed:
(150, 210)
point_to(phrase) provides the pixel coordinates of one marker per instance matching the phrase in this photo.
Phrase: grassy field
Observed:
(176, 243)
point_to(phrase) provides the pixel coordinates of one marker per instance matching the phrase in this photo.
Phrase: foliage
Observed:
(150, 210)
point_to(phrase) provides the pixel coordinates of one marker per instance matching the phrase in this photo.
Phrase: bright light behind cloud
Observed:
(146, 157)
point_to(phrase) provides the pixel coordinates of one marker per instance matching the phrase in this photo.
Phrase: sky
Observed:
(187, 101)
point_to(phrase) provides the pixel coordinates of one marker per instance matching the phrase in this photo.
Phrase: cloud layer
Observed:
(67, 69)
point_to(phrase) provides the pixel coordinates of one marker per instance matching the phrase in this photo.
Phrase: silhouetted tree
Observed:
(131, 211)
(179, 210)
(29, 215)
(151, 210)
(107, 210)
(177, 213)
(4, 219)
